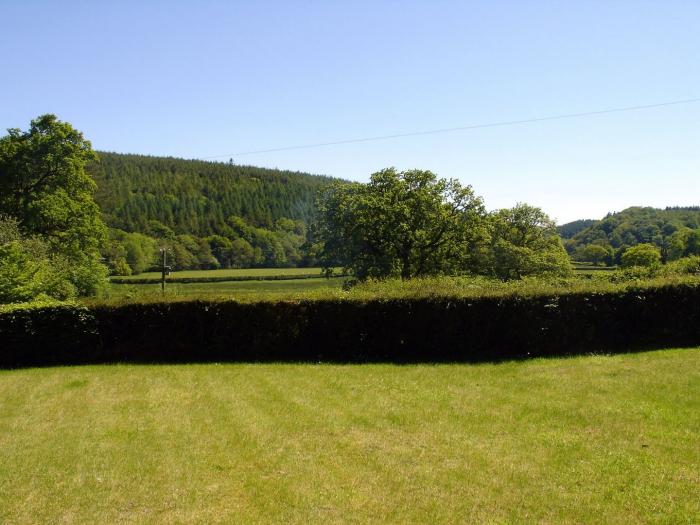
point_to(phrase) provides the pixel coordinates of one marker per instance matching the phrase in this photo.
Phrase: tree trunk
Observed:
(405, 267)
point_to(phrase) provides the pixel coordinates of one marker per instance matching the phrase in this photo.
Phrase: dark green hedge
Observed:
(405, 330)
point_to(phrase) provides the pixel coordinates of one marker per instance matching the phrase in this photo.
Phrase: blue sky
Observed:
(199, 79)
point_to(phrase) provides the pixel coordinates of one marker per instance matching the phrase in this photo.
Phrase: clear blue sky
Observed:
(197, 79)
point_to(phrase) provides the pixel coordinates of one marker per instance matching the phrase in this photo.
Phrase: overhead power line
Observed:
(460, 128)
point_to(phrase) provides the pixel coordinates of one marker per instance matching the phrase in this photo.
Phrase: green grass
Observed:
(583, 281)
(581, 440)
(332, 289)
(234, 289)
(234, 272)
(591, 269)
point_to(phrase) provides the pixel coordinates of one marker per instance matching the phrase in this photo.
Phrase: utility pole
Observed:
(165, 269)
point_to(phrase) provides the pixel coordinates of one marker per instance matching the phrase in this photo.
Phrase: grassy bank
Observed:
(615, 438)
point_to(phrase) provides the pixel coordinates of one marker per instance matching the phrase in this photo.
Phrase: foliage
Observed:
(674, 231)
(568, 230)
(244, 246)
(208, 214)
(595, 254)
(644, 254)
(412, 224)
(686, 265)
(45, 188)
(29, 269)
(44, 185)
(525, 242)
(405, 224)
(20, 273)
(191, 197)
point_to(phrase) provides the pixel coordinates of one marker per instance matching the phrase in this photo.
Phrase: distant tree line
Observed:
(673, 232)
(245, 246)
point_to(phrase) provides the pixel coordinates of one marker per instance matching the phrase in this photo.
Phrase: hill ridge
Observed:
(192, 196)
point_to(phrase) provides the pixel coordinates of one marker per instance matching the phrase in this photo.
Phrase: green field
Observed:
(265, 272)
(237, 289)
(582, 440)
(429, 287)
(233, 272)
(585, 268)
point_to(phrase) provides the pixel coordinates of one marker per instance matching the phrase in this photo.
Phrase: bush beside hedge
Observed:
(400, 330)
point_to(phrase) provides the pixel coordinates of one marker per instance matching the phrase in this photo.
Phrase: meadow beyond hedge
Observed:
(401, 330)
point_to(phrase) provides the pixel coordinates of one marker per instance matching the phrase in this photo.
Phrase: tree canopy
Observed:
(525, 242)
(208, 214)
(44, 188)
(44, 185)
(194, 197)
(406, 224)
(411, 224)
(644, 254)
(672, 230)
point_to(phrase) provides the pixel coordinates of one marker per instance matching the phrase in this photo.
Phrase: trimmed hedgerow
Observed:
(400, 330)
(46, 333)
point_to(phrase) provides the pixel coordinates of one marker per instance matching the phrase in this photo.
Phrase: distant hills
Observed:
(153, 195)
(673, 230)
(568, 230)
(197, 197)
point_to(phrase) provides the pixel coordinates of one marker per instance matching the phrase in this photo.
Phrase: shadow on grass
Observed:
(472, 360)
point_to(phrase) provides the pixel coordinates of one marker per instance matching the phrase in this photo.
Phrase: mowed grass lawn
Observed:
(580, 440)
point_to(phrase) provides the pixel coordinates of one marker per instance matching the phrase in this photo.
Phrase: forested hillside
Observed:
(207, 214)
(568, 230)
(674, 231)
(197, 197)
(213, 215)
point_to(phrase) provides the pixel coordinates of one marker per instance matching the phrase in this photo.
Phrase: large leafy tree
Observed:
(525, 242)
(403, 224)
(43, 184)
(645, 254)
(595, 253)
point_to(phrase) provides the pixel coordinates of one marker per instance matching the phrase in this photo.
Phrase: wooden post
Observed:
(164, 268)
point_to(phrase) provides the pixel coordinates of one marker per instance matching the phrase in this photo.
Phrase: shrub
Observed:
(687, 265)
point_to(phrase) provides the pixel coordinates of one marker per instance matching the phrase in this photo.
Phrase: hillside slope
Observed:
(675, 231)
(196, 197)
(568, 230)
